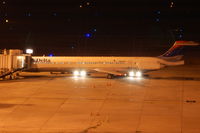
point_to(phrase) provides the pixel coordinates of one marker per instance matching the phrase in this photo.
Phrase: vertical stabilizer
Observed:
(177, 49)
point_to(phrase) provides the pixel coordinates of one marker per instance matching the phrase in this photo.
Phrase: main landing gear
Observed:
(110, 76)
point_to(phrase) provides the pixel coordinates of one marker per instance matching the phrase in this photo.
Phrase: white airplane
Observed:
(113, 66)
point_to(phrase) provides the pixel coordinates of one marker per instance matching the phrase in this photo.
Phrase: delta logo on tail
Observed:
(177, 48)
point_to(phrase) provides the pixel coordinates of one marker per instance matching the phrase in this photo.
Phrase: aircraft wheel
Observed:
(17, 74)
(11, 77)
(110, 76)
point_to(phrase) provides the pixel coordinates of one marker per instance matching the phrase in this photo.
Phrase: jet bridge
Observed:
(11, 62)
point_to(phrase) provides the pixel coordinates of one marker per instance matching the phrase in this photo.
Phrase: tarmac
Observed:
(165, 101)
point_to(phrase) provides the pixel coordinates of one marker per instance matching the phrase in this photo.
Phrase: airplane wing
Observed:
(109, 72)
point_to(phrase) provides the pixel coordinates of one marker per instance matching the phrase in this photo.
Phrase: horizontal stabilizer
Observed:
(177, 49)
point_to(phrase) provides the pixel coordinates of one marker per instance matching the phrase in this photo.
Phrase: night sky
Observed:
(97, 27)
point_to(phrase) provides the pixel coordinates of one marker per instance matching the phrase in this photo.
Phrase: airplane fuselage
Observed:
(40, 63)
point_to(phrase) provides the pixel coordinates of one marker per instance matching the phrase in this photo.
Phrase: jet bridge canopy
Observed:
(11, 61)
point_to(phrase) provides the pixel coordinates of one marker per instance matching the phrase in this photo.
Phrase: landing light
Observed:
(76, 73)
(79, 73)
(138, 74)
(83, 73)
(131, 74)
(135, 74)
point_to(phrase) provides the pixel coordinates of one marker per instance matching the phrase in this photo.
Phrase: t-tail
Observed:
(174, 56)
(176, 51)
